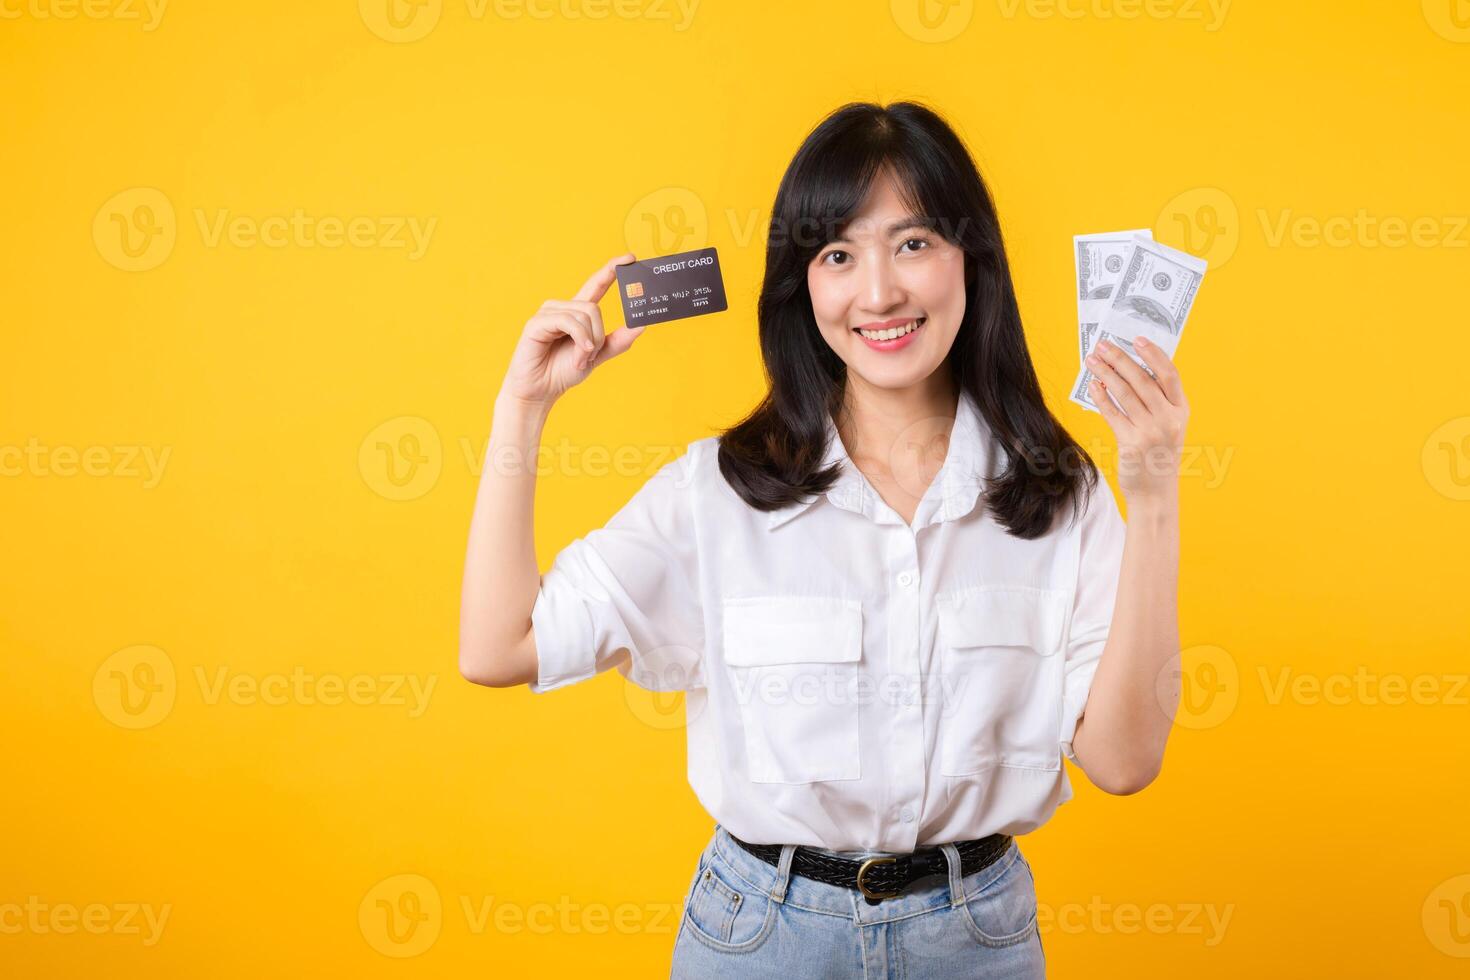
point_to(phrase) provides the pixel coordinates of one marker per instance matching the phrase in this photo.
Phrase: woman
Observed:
(896, 593)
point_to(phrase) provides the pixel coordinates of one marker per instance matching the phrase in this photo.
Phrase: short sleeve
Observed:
(632, 584)
(1100, 561)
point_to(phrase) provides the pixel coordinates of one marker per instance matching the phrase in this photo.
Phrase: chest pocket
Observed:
(793, 663)
(1000, 649)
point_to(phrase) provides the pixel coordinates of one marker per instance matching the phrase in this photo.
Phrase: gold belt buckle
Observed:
(864, 867)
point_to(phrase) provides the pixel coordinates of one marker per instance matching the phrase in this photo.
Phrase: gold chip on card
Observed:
(635, 289)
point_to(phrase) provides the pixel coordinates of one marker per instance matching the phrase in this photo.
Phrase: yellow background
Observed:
(1327, 539)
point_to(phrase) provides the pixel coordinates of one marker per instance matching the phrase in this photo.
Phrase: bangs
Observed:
(843, 179)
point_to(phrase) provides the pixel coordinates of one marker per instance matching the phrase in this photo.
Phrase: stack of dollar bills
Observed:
(1128, 284)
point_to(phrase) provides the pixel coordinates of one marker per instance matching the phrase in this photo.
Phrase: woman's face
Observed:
(888, 298)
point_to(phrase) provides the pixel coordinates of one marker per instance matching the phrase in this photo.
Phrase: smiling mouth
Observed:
(891, 333)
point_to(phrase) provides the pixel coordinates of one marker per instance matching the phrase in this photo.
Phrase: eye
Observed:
(835, 251)
(916, 241)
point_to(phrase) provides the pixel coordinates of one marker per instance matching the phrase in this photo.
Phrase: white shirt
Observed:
(853, 682)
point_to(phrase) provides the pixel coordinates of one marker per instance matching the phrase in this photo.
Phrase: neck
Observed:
(885, 423)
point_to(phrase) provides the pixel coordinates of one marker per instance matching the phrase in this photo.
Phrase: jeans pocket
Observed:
(1002, 912)
(724, 911)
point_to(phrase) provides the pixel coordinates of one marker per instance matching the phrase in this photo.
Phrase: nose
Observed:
(881, 290)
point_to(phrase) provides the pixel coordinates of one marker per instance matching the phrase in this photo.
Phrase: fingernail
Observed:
(1141, 340)
(1093, 359)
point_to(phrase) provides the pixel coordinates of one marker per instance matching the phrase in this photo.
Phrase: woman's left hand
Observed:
(1151, 433)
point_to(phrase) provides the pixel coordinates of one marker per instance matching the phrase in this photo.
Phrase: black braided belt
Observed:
(882, 877)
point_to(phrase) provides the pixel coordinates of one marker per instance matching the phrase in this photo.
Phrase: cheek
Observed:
(939, 284)
(829, 301)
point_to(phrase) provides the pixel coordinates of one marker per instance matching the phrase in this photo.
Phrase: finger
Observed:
(1116, 419)
(617, 342)
(1147, 388)
(590, 312)
(590, 335)
(1118, 385)
(1164, 369)
(551, 325)
(594, 287)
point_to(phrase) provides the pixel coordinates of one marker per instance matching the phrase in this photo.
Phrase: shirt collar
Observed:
(952, 493)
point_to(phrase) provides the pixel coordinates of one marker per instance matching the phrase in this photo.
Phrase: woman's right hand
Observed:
(564, 341)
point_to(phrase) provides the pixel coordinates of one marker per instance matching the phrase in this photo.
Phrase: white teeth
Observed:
(892, 332)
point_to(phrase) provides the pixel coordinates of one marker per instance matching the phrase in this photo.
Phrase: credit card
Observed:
(671, 287)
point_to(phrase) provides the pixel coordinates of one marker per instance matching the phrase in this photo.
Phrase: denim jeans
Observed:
(745, 918)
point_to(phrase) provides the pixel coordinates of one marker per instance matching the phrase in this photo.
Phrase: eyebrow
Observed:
(895, 226)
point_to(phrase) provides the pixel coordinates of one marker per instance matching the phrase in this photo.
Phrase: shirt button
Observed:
(905, 579)
(906, 815)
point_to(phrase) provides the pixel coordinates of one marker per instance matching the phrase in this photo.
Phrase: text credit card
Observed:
(671, 287)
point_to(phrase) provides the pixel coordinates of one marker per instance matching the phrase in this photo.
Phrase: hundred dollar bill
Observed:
(1153, 298)
(1099, 260)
